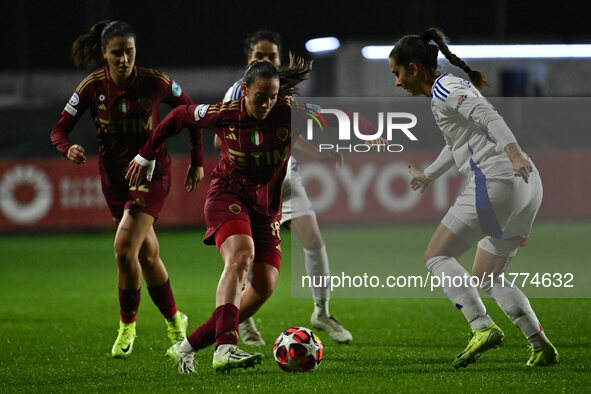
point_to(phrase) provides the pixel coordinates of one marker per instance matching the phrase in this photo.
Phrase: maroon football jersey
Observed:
(254, 153)
(124, 118)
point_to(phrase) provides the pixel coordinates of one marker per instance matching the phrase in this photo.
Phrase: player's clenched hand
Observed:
(332, 157)
(194, 175)
(76, 154)
(419, 179)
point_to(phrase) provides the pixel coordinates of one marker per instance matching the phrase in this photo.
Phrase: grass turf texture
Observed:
(59, 315)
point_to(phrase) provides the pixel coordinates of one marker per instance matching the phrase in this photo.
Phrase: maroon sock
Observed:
(226, 324)
(204, 335)
(129, 302)
(163, 298)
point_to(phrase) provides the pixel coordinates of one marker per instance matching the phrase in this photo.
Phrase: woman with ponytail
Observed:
(297, 212)
(123, 100)
(243, 204)
(497, 208)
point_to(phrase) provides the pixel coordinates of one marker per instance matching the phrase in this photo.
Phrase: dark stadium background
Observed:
(38, 34)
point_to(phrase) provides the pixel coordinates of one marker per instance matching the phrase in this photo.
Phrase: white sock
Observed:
(223, 348)
(321, 307)
(517, 308)
(186, 347)
(317, 269)
(464, 297)
(538, 340)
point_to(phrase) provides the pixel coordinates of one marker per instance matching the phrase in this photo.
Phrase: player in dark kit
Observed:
(243, 205)
(123, 100)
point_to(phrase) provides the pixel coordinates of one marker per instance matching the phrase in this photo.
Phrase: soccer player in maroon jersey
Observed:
(243, 205)
(123, 100)
(297, 211)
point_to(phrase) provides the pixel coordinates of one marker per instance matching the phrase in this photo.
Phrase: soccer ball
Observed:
(298, 349)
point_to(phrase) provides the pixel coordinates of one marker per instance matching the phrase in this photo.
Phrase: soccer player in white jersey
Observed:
(498, 206)
(297, 211)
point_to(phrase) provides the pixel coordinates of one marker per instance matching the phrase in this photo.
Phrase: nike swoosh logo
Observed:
(127, 348)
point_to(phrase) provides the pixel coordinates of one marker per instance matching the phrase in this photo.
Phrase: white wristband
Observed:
(149, 165)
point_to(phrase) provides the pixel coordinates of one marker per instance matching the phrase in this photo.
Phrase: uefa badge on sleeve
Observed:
(176, 89)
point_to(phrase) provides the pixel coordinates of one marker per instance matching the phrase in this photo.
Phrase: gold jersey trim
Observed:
(148, 72)
(95, 76)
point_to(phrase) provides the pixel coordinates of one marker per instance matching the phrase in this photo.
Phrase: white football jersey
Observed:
(463, 116)
(234, 92)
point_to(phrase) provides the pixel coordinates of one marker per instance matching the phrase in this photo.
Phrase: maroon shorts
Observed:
(226, 215)
(148, 198)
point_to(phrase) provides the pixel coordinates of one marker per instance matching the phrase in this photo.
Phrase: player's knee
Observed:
(124, 254)
(149, 259)
(241, 261)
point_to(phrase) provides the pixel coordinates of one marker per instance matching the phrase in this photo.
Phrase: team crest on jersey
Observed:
(102, 97)
(282, 133)
(200, 111)
(465, 83)
(232, 128)
(146, 102)
(235, 208)
(123, 105)
(256, 137)
(176, 89)
(74, 100)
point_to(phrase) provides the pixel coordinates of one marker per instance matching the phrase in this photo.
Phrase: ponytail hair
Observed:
(86, 50)
(419, 49)
(296, 72)
(288, 77)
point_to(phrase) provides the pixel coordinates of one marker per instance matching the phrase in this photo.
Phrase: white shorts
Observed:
(295, 200)
(496, 213)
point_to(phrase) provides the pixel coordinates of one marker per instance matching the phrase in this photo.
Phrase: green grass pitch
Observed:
(59, 314)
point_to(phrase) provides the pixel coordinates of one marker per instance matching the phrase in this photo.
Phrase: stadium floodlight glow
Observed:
(528, 51)
(323, 44)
